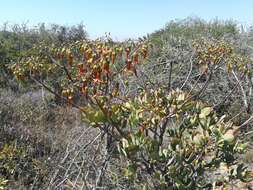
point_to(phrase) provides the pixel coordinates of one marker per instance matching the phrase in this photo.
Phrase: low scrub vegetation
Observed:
(172, 110)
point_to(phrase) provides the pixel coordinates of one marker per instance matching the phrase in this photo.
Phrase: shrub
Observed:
(164, 133)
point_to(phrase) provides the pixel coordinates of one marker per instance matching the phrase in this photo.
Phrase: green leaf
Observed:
(130, 170)
(228, 137)
(133, 119)
(94, 116)
(198, 139)
(99, 117)
(205, 112)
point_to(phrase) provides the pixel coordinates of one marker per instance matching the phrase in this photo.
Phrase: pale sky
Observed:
(122, 18)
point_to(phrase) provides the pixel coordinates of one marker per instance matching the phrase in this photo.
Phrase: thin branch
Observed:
(242, 90)
(248, 121)
(170, 74)
(55, 93)
(64, 68)
(190, 71)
